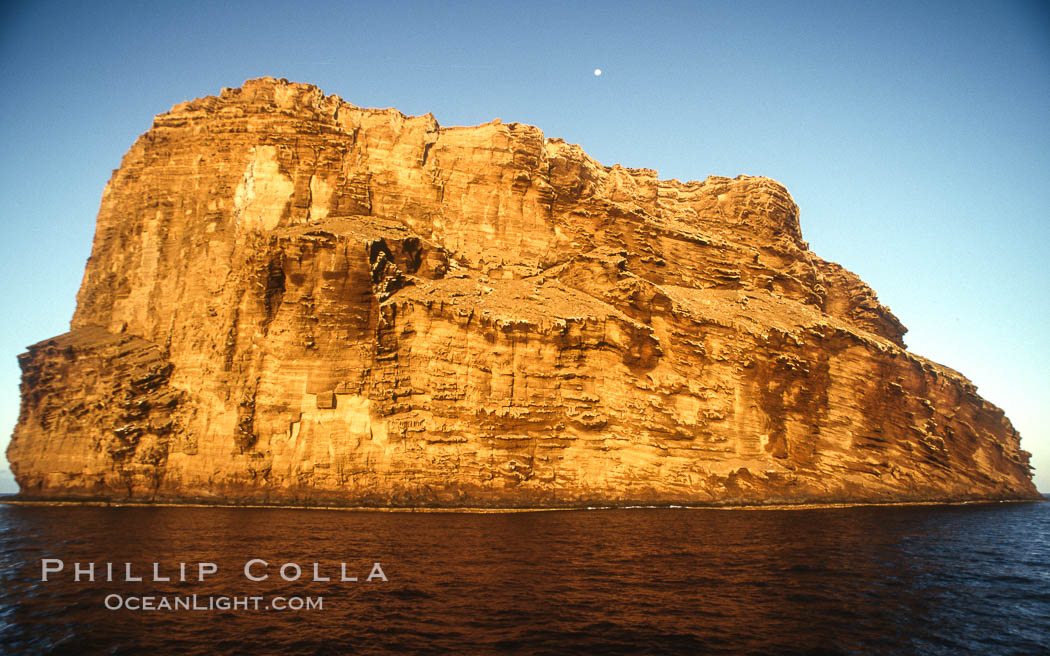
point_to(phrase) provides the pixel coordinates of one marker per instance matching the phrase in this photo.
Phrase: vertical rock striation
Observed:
(291, 299)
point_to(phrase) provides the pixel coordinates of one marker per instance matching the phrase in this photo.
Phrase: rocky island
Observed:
(293, 300)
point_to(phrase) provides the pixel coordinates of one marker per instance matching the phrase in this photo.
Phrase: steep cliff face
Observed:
(294, 300)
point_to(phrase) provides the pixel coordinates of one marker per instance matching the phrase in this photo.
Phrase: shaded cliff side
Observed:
(291, 299)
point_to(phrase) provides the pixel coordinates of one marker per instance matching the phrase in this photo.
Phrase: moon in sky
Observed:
(597, 72)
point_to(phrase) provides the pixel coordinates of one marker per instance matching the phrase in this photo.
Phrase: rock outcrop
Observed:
(291, 299)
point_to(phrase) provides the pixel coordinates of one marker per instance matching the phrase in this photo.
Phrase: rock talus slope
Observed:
(291, 299)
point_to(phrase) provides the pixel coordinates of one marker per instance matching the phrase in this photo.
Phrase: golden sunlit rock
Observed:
(294, 300)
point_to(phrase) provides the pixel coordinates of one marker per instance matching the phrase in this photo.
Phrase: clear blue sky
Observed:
(914, 135)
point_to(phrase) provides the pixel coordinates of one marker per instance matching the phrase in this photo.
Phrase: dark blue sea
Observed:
(950, 580)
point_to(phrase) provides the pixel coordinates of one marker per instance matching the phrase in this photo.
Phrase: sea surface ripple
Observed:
(946, 580)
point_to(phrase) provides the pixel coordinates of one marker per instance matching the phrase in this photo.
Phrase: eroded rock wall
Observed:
(294, 300)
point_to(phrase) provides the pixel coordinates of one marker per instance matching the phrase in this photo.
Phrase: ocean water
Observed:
(971, 579)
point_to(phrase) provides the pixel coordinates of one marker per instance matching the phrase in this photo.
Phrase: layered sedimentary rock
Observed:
(291, 299)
